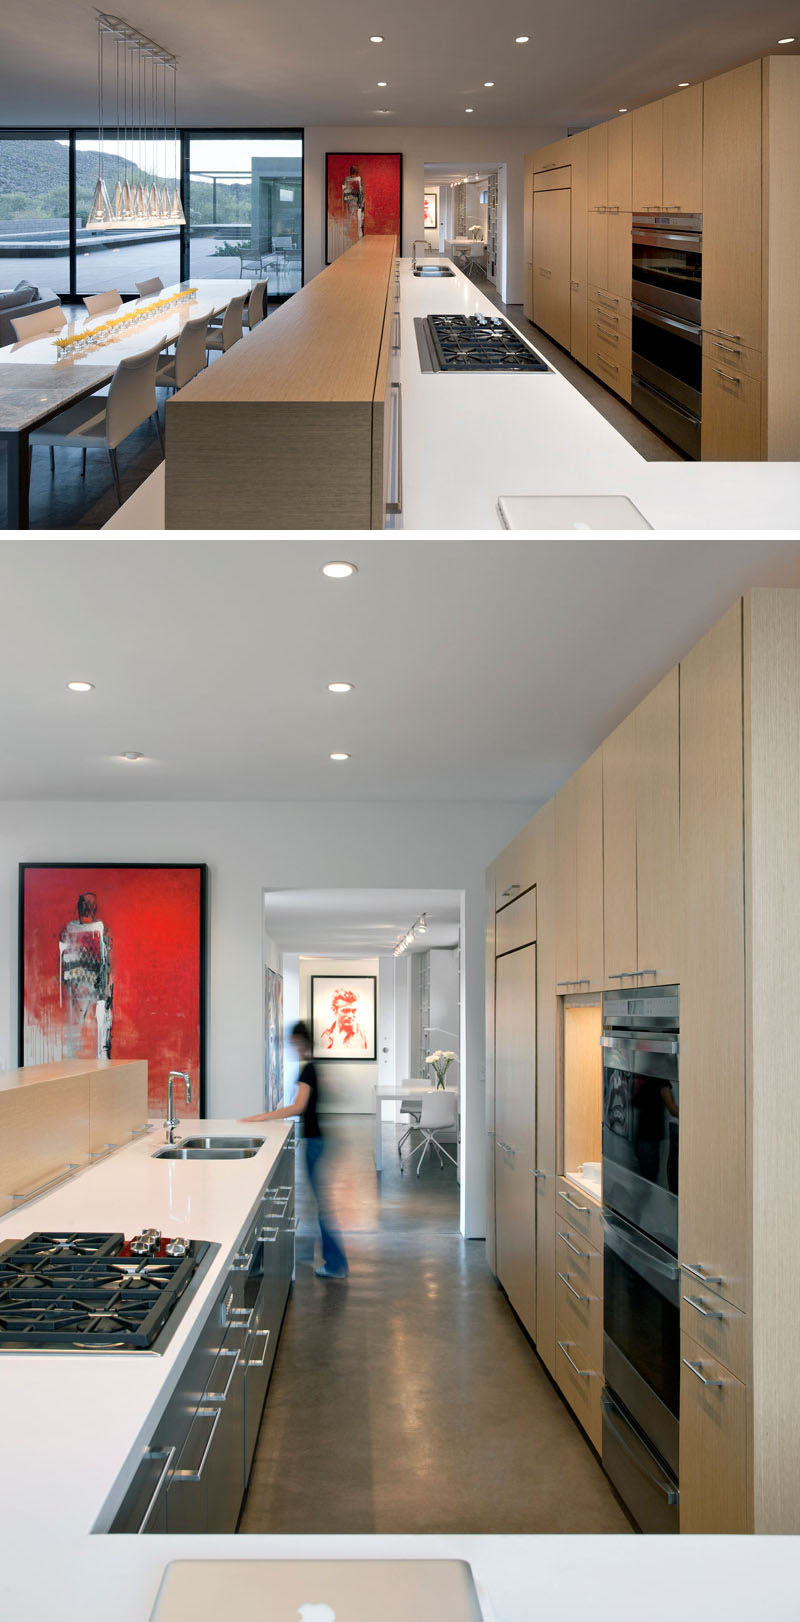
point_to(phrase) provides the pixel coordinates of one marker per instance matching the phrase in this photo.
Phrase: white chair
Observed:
(230, 332)
(154, 285)
(256, 305)
(439, 1113)
(174, 371)
(412, 1107)
(102, 424)
(33, 326)
(96, 303)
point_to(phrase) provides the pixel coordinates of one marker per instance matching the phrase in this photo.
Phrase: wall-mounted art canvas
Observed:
(430, 210)
(343, 1016)
(364, 198)
(112, 966)
(273, 1032)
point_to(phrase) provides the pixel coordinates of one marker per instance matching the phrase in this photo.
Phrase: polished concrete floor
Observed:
(408, 1398)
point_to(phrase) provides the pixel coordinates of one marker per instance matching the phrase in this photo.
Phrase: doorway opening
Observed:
(464, 218)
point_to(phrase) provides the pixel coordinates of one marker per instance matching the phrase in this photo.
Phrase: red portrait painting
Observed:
(112, 967)
(364, 197)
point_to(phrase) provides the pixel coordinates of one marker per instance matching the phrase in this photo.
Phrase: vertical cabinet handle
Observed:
(396, 335)
(395, 503)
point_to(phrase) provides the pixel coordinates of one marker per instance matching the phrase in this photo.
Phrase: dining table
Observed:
(37, 380)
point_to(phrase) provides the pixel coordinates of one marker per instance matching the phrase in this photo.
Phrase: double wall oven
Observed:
(641, 1302)
(666, 291)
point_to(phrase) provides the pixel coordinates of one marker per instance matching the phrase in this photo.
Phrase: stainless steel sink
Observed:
(179, 1151)
(221, 1143)
(433, 270)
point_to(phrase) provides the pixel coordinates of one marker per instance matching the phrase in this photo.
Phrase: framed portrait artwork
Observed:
(273, 1036)
(112, 961)
(430, 211)
(343, 1017)
(363, 198)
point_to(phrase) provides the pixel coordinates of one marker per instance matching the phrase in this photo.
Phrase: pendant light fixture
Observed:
(142, 196)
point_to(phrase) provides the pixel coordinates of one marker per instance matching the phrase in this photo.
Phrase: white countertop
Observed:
(470, 438)
(72, 1423)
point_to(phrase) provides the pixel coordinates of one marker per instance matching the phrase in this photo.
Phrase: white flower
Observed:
(433, 1058)
(449, 1056)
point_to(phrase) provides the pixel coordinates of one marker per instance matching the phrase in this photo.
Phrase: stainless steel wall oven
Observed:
(666, 289)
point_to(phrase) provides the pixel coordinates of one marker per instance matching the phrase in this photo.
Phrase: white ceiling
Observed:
(247, 62)
(485, 669)
(359, 923)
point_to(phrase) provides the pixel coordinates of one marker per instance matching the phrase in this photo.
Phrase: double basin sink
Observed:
(210, 1149)
(433, 270)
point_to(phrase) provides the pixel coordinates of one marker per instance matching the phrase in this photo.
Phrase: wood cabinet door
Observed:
(732, 244)
(620, 163)
(682, 163)
(597, 248)
(647, 144)
(597, 167)
(618, 255)
(566, 806)
(589, 871)
(658, 865)
(515, 1129)
(552, 236)
(528, 234)
(713, 1165)
(731, 429)
(619, 852)
(714, 1495)
(545, 1187)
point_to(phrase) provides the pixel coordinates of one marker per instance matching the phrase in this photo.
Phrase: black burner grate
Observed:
(481, 343)
(87, 1292)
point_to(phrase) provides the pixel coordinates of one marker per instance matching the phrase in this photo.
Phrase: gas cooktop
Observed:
(479, 343)
(93, 1292)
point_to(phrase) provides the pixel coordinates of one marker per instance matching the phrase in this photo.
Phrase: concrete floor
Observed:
(408, 1399)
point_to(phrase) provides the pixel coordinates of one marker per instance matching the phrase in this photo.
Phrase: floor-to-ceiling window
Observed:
(244, 197)
(34, 210)
(242, 192)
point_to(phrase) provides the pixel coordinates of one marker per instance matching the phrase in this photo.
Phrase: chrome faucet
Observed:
(172, 1119)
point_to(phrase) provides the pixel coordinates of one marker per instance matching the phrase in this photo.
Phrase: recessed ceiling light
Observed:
(683, 84)
(382, 84)
(488, 84)
(469, 109)
(622, 109)
(132, 754)
(383, 109)
(81, 686)
(340, 686)
(790, 41)
(339, 755)
(376, 39)
(522, 39)
(339, 570)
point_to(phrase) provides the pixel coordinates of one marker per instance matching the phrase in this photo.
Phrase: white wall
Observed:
(250, 848)
(478, 147)
(345, 1088)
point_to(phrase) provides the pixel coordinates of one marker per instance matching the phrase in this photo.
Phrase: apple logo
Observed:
(316, 1613)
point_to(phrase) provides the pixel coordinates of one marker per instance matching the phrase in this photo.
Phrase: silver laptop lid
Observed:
(318, 1591)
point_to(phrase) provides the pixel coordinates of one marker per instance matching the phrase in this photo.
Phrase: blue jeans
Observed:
(332, 1253)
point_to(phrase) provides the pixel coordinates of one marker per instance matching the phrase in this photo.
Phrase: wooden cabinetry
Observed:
(579, 1322)
(648, 146)
(732, 180)
(731, 430)
(55, 1119)
(515, 1130)
(619, 851)
(658, 832)
(552, 249)
(579, 878)
(515, 868)
(714, 1496)
(609, 206)
(545, 1168)
(528, 236)
(566, 809)
(682, 151)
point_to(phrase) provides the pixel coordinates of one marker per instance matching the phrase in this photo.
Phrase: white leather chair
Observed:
(154, 285)
(96, 303)
(42, 321)
(256, 305)
(230, 332)
(439, 1114)
(102, 423)
(174, 371)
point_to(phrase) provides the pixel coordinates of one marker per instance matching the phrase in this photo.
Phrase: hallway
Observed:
(408, 1399)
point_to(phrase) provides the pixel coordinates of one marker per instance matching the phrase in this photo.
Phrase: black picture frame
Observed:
(350, 154)
(339, 1058)
(199, 867)
(430, 225)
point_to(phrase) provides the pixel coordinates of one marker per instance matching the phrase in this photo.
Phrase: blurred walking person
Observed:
(306, 1105)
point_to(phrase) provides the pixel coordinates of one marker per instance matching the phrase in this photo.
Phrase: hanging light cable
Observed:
(100, 212)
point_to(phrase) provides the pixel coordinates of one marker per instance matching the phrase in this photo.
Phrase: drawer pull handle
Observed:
(626, 974)
(269, 1236)
(705, 1312)
(610, 365)
(42, 1188)
(167, 1454)
(585, 1210)
(139, 1131)
(610, 303)
(573, 983)
(585, 1255)
(666, 1492)
(730, 377)
(219, 1396)
(697, 1371)
(729, 349)
(258, 1362)
(584, 1299)
(214, 1414)
(245, 1314)
(100, 1154)
(538, 1174)
(585, 1374)
(607, 337)
(699, 1273)
(718, 332)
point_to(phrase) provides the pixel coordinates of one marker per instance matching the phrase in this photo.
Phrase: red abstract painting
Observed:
(111, 966)
(364, 198)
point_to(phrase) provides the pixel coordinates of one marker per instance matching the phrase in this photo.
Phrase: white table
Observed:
(408, 1089)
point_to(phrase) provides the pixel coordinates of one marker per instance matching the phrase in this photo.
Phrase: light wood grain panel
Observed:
(618, 266)
(553, 179)
(515, 867)
(589, 870)
(117, 1105)
(614, 303)
(713, 1447)
(620, 163)
(647, 148)
(658, 832)
(489, 956)
(552, 259)
(577, 1255)
(515, 924)
(682, 169)
(731, 430)
(579, 1312)
(515, 1126)
(597, 248)
(545, 1187)
(44, 1129)
(732, 147)
(580, 1210)
(583, 1085)
(616, 374)
(552, 156)
(720, 1330)
(582, 1390)
(782, 255)
(566, 825)
(619, 851)
(578, 267)
(734, 357)
(597, 167)
(528, 234)
(713, 1171)
(772, 744)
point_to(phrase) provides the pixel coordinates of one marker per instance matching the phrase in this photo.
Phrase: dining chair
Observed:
(32, 326)
(256, 305)
(154, 285)
(174, 371)
(97, 302)
(230, 332)
(99, 423)
(439, 1113)
(412, 1108)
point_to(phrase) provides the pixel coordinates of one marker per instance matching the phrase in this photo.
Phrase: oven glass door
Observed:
(668, 354)
(667, 270)
(641, 1322)
(640, 1132)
